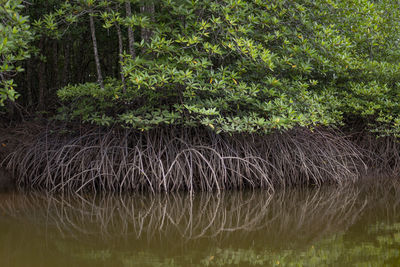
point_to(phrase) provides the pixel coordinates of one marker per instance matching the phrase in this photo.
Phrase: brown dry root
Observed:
(382, 154)
(184, 159)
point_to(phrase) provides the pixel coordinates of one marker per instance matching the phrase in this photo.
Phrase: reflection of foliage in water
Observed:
(337, 250)
(382, 250)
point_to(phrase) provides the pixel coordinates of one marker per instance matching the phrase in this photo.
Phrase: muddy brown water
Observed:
(352, 226)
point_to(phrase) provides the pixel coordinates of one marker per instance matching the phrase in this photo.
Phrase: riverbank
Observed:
(6, 182)
(73, 158)
(12, 137)
(79, 159)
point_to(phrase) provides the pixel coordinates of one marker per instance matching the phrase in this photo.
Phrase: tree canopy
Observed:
(235, 66)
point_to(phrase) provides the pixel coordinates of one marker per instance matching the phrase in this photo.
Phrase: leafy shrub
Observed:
(251, 66)
(15, 34)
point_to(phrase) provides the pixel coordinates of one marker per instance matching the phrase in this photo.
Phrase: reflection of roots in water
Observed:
(291, 214)
(384, 194)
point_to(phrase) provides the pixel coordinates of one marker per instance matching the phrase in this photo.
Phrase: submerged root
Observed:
(177, 159)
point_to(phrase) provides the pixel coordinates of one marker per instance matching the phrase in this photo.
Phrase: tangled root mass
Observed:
(175, 159)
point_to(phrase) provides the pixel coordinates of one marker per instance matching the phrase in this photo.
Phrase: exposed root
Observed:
(382, 154)
(177, 159)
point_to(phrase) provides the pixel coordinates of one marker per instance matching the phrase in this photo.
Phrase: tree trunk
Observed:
(131, 36)
(148, 10)
(29, 81)
(121, 51)
(41, 77)
(95, 51)
(55, 65)
(67, 49)
(11, 109)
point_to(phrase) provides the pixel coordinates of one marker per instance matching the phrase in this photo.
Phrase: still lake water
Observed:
(352, 226)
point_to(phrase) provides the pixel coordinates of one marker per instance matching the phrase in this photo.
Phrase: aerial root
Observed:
(175, 159)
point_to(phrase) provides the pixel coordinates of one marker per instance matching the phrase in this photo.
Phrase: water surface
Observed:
(352, 226)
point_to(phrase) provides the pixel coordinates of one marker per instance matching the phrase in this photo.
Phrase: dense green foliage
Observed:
(232, 66)
(15, 35)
